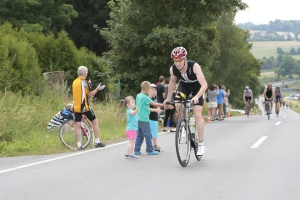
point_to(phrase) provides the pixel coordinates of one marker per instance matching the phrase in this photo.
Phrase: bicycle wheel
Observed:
(67, 134)
(194, 144)
(269, 109)
(277, 108)
(182, 143)
(248, 109)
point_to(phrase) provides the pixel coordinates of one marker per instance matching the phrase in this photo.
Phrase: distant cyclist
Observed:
(269, 94)
(278, 95)
(248, 96)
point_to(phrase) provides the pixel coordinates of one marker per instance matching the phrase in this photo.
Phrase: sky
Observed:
(263, 11)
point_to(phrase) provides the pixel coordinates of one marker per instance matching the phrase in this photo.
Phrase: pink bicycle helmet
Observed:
(179, 53)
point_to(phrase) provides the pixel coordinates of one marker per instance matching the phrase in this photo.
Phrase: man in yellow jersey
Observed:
(81, 94)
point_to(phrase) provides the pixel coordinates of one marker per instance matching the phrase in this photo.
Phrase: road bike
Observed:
(186, 136)
(277, 107)
(67, 133)
(247, 107)
(268, 106)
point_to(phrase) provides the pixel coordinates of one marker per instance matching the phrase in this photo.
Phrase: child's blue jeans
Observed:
(143, 132)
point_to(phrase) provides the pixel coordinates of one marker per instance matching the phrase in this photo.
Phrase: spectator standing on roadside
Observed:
(81, 94)
(225, 103)
(131, 125)
(169, 113)
(143, 102)
(220, 100)
(153, 118)
(161, 89)
(212, 94)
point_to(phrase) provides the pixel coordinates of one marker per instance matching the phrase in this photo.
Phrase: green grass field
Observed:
(268, 49)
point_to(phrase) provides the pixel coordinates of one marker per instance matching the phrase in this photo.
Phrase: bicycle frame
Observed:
(269, 108)
(184, 144)
(248, 107)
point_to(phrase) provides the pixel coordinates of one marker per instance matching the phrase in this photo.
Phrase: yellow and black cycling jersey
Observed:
(80, 95)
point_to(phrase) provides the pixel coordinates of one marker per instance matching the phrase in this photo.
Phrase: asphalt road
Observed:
(247, 158)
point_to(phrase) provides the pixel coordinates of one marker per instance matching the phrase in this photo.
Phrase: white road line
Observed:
(259, 142)
(62, 157)
(284, 116)
(278, 123)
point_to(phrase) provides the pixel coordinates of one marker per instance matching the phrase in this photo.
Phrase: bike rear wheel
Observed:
(269, 109)
(248, 109)
(277, 108)
(182, 143)
(67, 134)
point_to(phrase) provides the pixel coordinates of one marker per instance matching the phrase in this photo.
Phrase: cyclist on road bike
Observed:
(278, 95)
(269, 94)
(192, 81)
(247, 96)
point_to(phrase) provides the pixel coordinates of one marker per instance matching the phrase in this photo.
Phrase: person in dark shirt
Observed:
(161, 89)
(153, 118)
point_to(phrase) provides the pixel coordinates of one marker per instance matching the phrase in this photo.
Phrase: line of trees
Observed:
(276, 25)
(135, 41)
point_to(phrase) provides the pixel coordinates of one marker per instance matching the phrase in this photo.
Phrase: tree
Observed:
(235, 58)
(90, 12)
(287, 66)
(37, 15)
(19, 67)
(142, 34)
(279, 50)
(293, 51)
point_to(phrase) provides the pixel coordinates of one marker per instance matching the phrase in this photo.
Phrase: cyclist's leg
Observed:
(271, 104)
(197, 111)
(179, 106)
(78, 117)
(266, 105)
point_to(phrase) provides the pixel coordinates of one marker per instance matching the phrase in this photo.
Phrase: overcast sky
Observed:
(263, 11)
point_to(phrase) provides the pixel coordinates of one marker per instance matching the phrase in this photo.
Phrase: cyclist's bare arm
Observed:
(265, 95)
(244, 96)
(273, 93)
(168, 106)
(171, 86)
(92, 93)
(201, 79)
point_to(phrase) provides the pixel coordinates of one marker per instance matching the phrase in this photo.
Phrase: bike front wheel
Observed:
(67, 134)
(182, 143)
(194, 137)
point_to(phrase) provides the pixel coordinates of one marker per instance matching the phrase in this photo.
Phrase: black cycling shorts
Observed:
(89, 114)
(248, 98)
(188, 88)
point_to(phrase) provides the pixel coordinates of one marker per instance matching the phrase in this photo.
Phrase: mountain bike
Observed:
(186, 138)
(277, 108)
(67, 133)
(268, 108)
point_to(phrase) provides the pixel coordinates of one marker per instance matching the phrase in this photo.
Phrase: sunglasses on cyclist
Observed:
(177, 61)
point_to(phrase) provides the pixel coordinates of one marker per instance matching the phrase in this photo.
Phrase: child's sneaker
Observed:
(153, 153)
(134, 156)
(127, 155)
(137, 153)
(157, 148)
